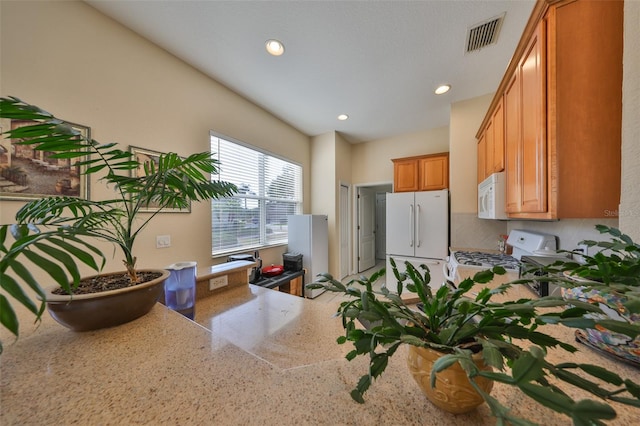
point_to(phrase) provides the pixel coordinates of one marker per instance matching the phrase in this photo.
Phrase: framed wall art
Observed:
(146, 156)
(26, 173)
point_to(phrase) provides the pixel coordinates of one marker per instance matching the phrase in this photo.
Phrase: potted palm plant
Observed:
(462, 327)
(59, 228)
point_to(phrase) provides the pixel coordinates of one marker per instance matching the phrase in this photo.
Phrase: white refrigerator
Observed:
(309, 236)
(418, 232)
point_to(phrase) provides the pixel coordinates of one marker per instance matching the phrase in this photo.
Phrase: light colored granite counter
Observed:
(257, 357)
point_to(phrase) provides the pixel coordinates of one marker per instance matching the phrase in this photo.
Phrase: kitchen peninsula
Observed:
(252, 357)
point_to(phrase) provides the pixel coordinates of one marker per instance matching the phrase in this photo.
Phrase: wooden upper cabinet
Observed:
(491, 145)
(434, 172)
(405, 175)
(497, 146)
(533, 161)
(585, 45)
(562, 101)
(421, 173)
(482, 157)
(513, 144)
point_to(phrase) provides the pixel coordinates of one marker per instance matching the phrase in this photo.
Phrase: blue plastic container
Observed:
(180, 288)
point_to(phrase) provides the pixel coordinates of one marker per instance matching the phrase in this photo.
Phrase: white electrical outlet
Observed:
(585, 249)
(163, 241)
(579, 253)
(218, 282)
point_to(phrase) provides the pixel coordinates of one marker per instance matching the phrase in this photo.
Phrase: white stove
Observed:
(486, 260)
(524, 243)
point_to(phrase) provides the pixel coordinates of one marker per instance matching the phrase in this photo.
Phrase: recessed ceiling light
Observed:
(274, 47)
(442, 89)
(343, 117)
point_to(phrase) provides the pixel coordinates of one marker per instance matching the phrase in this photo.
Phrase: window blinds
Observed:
(269, 189)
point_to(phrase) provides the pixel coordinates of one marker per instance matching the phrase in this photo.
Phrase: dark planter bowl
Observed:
(84, 312)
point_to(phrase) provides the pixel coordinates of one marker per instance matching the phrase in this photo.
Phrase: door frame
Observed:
(345, 212)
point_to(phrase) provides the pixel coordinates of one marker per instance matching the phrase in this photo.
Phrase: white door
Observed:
(432, 224)
(381, 225)
(344, 231)
(366, 229)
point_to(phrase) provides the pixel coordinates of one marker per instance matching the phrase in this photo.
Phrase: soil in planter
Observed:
(107, 282)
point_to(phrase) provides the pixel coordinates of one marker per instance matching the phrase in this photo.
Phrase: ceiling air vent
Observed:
(484, 33)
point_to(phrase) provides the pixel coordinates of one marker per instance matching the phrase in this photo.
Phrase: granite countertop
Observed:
(252, 357)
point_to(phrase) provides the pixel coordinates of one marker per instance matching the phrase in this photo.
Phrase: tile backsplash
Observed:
(569, 231)
(467, 231)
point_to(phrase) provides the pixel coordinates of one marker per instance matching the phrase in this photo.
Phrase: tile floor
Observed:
(330, 297)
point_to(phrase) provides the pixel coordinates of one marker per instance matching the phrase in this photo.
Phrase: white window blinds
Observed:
(269, 189)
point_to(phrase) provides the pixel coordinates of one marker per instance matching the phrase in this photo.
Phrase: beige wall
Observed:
(630, 200)
(331, 155)
(371, 160)
(464, 122)
(343, 176)
(70, 59)
(467, 231)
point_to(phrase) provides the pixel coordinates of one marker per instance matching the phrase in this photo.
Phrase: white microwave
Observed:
(491, 197)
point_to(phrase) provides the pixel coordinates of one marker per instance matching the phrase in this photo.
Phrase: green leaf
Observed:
(527, 368)
(581, 383)
(498, 377)
(492, 355)
(357, 396)
(545, 396)
(632, 388)
(361, 388)
(442, 364)
(602, 374)
(8, 317)
(52, 268)
(378, 364)
(587, 410)
(12, 287)
(483, 277)
(627, 401)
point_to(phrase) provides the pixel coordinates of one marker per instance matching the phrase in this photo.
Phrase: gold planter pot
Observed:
(452, 391)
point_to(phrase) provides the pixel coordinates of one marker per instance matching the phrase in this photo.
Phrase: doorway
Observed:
(370, 229)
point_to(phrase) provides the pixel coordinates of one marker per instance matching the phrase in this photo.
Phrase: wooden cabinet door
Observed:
(482, 157)
(496, 155)
(434, 172)
(488, 162)
(512, 143)
(405, 175)
(533, 154)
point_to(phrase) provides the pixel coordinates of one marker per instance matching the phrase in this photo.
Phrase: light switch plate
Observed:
(163, 241)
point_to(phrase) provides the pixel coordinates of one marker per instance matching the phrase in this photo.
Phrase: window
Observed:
(269, 189)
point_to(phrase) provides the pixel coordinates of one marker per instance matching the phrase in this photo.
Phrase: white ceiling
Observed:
(377, 61)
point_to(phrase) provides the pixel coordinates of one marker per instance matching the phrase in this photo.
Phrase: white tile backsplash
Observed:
(569, 231)
(467, 231)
